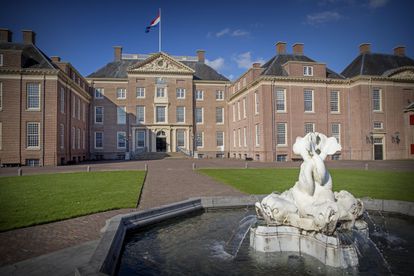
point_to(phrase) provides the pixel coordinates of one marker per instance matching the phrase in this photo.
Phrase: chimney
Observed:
(5, 35)
(298, 49)
(399, 51)
(29, 37)
(365, 48)
(201, 54)
(281, 48)
(256, 65)
(55, 58)
(118, 53)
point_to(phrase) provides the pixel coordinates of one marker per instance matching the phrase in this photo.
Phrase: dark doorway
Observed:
(378, 152)
(161, 144)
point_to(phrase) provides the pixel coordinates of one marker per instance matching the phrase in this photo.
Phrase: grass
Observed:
(36, 199)
(374, 184)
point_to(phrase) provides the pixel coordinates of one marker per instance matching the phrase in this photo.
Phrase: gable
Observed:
(160, 63)
(406, 74)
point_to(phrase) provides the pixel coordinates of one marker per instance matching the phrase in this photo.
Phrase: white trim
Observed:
(239, 136)
(100, 123)
(238, 111)
(165, 114)
(101, 93)
(313, 101)
(119, 115)
(339, 131)
(277, 135)
(202, 115)
(338, 94)
(118, 140)
(309, 123)
(222, 115)
(284, 100)
(244, 108)
(136, 138)
(257, 135)
(1, 135)
(380, 100)
(222, 146)
(256, 103)
(38, 136)
(136, 92)
(27, 97)
(308, 71)
(202, 140)
(94, 142)
(176, 113)
(244, 137)
(136, 110)
(222, 95)
(123, 93)
(201, 93)
(183, 91)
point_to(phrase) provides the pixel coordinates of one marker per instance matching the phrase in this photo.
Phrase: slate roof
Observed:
(32, 57)
(274, 66)
(118, 69)
(373, 64)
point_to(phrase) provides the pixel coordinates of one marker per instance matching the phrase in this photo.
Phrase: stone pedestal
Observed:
(326, 249)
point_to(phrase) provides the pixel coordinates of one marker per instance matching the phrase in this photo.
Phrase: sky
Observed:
(234, 34)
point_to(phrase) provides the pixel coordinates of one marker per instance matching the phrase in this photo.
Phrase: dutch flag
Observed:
(154, 23)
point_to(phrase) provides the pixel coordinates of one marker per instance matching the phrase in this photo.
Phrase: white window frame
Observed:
(234, 112)
(379, 100)
(180, 93)
(239, 136)
(238, 111)
(284, 132)
(121, 93)
(78, 138)
(219, 95)
(176, 115)
(222, 139)
(83, 139)
(165, 114)
(308, 71)
(176, 136)
(99, 93)
(121, 115)
(28, 97)
(62, 136)
(304, 101)
(244, 137)
(160, 92)
(199, 95)
(97, 107)
(378, 125)
(73, 136)
(137, 140)
(257, 135)
(256, 103)
(332, 102)
(202, 139)
(35, 147)
(234, 138)
(280, 91)
(202, 115)
(336, 135)
(118, 140)
(244, 109)
(102, 139)
(222, 115)
(138, 121)
(140, 93)
(79, 109)
(62, 100)
(308, 124)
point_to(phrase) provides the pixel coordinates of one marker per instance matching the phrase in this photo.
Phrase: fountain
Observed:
(309, 217)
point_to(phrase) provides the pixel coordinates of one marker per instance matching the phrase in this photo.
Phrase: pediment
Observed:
(161, 63)
(406, 72)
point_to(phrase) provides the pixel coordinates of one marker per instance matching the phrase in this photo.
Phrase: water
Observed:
(216, 243)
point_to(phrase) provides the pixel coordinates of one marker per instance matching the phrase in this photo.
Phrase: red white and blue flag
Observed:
(154, 23)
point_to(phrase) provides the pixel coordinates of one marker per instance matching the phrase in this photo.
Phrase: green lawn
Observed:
(374, 184)
(29, 200)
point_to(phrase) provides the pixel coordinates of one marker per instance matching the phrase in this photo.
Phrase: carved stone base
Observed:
(326, 249)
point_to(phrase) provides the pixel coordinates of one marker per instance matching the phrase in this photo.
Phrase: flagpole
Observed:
(159, 33)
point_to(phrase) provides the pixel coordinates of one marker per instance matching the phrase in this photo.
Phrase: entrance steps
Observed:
(160, 155)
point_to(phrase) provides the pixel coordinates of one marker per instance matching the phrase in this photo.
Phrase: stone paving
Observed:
(167, 181)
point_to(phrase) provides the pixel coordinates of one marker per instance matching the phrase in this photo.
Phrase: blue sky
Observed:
(233, 33)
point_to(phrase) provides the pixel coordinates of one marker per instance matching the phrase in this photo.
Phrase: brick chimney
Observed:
(399, 50)
(281, 48)
(5, 35)
(29, 37)
(55, 58)
(117, 53)
(201, 55)
(298, 49)
(256, 65)
(365, 48)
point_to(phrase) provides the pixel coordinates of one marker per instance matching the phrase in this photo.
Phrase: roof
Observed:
(409, 107)
(32, 57)
(373, 64)
(118, 69)
(274, 66)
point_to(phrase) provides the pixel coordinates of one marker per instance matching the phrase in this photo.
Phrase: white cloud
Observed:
(239, 32)
(322, 17)
(230, 77)
(223, 32)
(373, 4)
(245, 61)
(216, 64)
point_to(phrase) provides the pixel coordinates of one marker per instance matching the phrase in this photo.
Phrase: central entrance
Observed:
(161, 141)
(378, 148)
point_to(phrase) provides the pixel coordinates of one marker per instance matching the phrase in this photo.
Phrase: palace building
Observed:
(137, 105)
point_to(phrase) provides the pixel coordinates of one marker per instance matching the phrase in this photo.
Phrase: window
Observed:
(199, 115)
(234, 112)
(73, 134)
(378, 125)
(62, 100)
(99, 114)
(33, 96)
(83, 112)
(307, 70)
(281, 134)
(32, 162)
(199, 95)
(79, 109)
(1, 96)
(1, 135)
(220, 138)
(239, 136)
(180, 138)
(281, 158)
(234, 138)
(121, 139)
(121, 115)
(140, 114)
(334, 102)
(98, 139)
(83, 139)
(140, 137)
(199, 139)
(219, 95)
(160, 92)
(78, 137)
(160, 114)
(308, 100)
(238, 110)
(280, 100)
(336, 131)
(73, 106)
(256, 103)
(376, 100)
(309, 127)
(180, 93)
(180, 115)
(33, 133)
(244, 108)
(219, 115)
(257, 135)
(99, 93)
(62, 136)
(141, 92)
(1, 59)
(244, 137)
(121, 93)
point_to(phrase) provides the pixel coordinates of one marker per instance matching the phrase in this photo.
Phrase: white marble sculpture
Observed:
(311, 204)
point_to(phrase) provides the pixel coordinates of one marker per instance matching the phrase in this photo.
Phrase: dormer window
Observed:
(307, 70)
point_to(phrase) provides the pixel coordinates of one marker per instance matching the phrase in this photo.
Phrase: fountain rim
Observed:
(106, 256)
